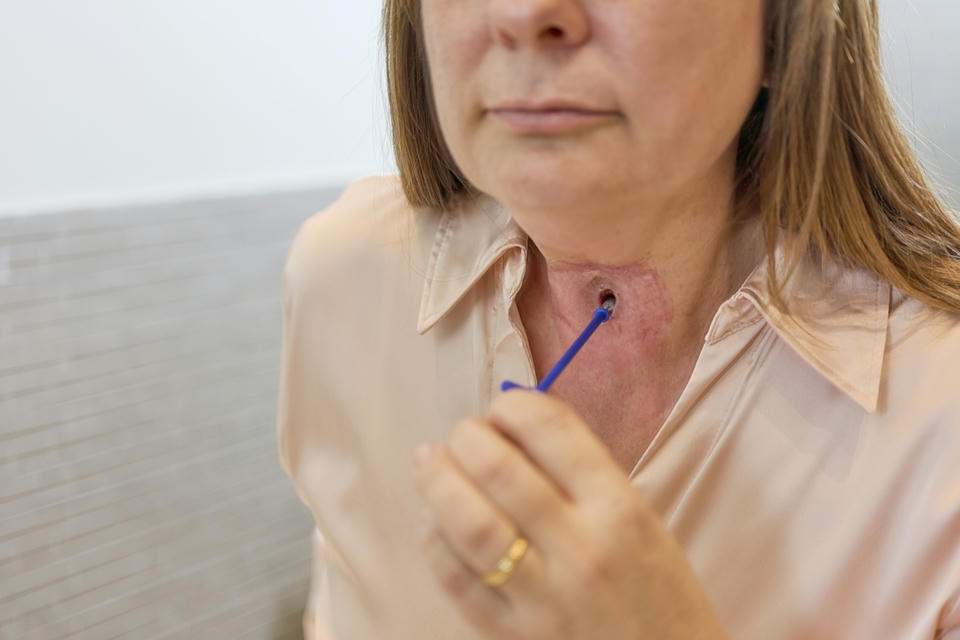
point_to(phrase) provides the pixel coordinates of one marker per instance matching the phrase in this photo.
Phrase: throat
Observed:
(628, 375)
(557, 301)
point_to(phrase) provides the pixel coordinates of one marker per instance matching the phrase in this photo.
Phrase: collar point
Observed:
(870, 402)
(867, 399)
(425, 323)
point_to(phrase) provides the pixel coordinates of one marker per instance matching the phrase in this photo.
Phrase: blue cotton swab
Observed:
(600, 315)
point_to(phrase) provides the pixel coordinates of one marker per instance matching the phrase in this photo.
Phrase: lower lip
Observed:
(551, 121)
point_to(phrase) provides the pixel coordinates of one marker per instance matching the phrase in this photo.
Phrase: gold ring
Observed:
(507, 563)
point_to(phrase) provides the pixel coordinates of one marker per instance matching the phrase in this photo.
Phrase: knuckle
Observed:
(480, 536)
(595, 568)
(615, 507)
(552, 421)
(556, 414)
(546, 511)
(495, 469)
(622, 510)
(455, 582)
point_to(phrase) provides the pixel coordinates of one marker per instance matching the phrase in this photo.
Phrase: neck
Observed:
(669, 274)
(670, 266)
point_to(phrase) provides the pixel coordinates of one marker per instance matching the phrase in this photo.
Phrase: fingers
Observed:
(558, 441)
(475, 529)
(481, 604)
(511, 481)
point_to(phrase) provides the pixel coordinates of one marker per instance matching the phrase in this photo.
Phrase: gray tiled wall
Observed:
(140, 491)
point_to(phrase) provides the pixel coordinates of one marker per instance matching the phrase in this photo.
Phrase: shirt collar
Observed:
(470, 239)
(838, 320)
(839, 326)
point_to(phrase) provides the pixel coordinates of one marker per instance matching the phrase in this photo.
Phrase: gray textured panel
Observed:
(140, 490)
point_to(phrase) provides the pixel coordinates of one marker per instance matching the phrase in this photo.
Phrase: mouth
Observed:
(549, 104)
(552, 120)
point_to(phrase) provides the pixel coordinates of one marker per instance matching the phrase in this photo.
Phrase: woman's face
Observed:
(674, 78)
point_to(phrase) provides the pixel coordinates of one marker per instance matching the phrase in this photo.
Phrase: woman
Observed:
(763, 440)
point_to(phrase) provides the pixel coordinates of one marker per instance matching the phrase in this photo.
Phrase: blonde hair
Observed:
(822, 155)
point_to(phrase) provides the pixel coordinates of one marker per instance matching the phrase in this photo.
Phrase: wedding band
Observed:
(507, 563)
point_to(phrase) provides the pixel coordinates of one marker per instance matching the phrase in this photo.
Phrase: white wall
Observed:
(922, 39)
(123, 100)
(120, 100)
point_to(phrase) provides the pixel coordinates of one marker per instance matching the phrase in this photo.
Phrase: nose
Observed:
(538, 23)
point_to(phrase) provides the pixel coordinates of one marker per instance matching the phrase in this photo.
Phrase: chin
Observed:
(540, 187)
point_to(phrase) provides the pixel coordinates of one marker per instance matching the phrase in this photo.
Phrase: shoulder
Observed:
(917, 329)
(923, 358)
(369, 211)
(369, 228)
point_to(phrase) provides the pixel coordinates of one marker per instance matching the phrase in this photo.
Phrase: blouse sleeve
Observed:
(315, 627)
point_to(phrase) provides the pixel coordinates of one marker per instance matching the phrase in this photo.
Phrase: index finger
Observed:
(558, 440)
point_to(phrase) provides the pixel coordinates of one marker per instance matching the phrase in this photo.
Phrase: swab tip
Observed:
(608, 301)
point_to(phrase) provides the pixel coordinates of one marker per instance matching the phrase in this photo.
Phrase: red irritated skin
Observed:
(608, 381)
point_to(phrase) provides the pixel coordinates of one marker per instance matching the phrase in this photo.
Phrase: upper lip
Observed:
(555, 104)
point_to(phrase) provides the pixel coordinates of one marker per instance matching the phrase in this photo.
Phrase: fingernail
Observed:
(423, 453)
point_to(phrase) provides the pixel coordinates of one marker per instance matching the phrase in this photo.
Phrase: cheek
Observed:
(694, 66)
(454, 39)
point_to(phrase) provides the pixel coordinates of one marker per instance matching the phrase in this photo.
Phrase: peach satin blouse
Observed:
(810, 468)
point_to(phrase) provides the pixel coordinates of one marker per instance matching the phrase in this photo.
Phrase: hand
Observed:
(600, 563)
